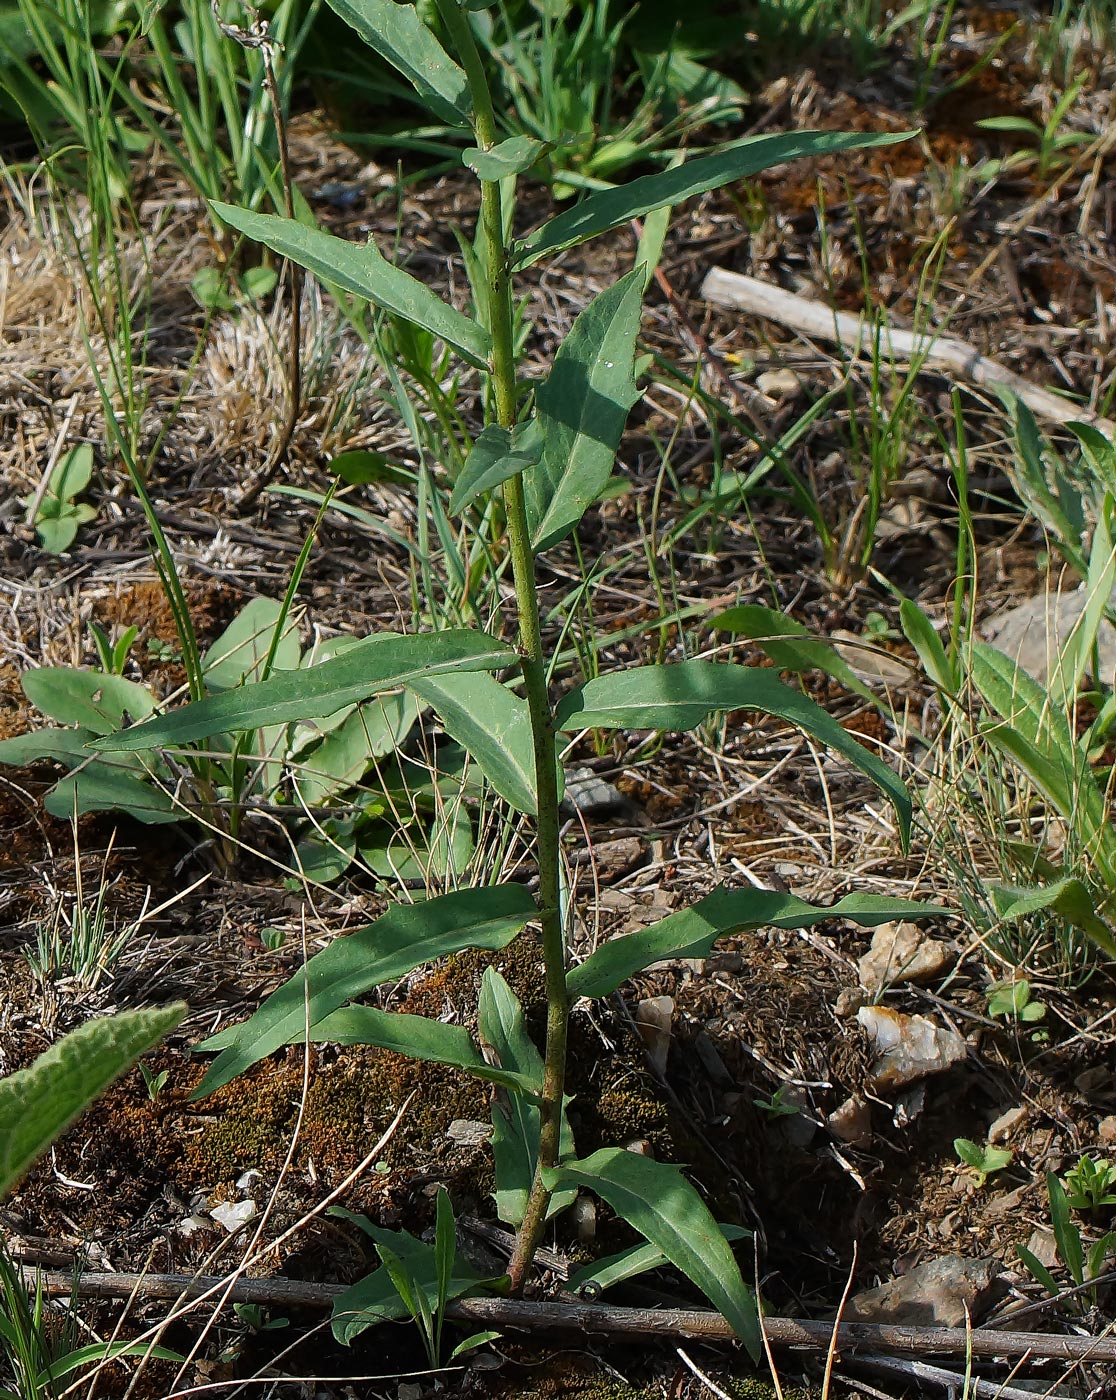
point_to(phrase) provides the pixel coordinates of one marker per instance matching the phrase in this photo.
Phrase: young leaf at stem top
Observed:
(396, 32)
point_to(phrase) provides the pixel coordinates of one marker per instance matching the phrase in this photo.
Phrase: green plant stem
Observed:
(532, 662)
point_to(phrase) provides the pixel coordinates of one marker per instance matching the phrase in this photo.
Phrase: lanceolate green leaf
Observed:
(609, 208)
(417, 1036)
(373, 665)
(692, 932)
(658, 1201)
(686, 694)
(515, 1119)
(497, 454)
(630, 1263)
(582, 409)
(1068, 897)
(398, 942)
(396, 32)
(510, 157)
(40, 1102)
(493, 725)
(790, 646)
(363, 271)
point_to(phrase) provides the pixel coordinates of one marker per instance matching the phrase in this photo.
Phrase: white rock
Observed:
(852, 1122)
(1034, 633)
(940, 1293)
(1004, 1126)
(653, 1018)
(778, 383)
(233, 1215)
(907, 1048)
(468, 1132)
(901, 952)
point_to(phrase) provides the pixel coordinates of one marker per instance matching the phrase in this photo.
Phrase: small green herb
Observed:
(982, 1158)
(1012, 1001)
(58, 513)
(1091, 1185)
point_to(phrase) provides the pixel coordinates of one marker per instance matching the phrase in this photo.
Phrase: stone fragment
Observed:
(1106, 1129)
(851, 1122)
(778, 383)
(590, 795)
(940, 1293)
(1004, 1126)
(233, 1215)
(1044, 1247)
(902, 952)
(468, 1132)
(849, 1001)
(907, 1048)
(584, 1213)
(653, 1018)
(1034, 633)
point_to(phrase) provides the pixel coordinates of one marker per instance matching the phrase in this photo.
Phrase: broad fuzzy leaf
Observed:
(684, 695)
(373, 665)
(396, 32)
(39, 1103)
(582, 409)
(363, 271)
(609, 208)
(692, 932)
(399, 941)
(658, 1201)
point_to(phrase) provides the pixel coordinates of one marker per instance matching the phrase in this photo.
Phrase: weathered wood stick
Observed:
(927, 349)
(598, 1319)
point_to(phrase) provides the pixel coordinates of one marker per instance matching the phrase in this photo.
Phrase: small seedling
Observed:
(55, 510)
(159, 650)
(1012, 1001)
(982, 1158)
(254, 1317)
(113, 656)
(213, 292)
(273, 938)
(1083, 1264)
(1091, 1185)
(777, 1106)
(154, 1083)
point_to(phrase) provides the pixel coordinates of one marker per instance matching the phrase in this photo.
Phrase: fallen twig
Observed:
(927, 350)
(603, 1320)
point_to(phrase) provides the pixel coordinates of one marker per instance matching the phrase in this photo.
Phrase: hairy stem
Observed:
(499, 315)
